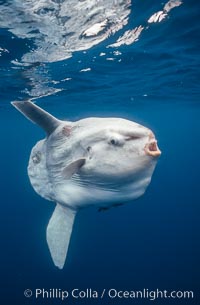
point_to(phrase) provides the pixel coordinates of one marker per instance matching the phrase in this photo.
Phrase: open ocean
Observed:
(140, 62)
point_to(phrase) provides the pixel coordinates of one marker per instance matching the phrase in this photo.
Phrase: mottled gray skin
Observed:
(112, 172)
(94, 161)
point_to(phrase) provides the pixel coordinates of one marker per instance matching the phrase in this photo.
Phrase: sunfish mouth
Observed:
(152, 149)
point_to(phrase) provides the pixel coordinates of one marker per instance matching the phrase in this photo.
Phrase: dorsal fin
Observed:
(37, 115)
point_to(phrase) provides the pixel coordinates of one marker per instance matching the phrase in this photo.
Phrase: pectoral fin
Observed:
(59, 232)
(73, 168)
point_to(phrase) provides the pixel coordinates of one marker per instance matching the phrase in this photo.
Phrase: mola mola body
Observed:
(94, 161)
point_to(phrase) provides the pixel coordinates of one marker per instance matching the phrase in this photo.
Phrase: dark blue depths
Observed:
(150, 243)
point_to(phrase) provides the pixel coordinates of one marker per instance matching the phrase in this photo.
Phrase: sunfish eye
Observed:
(89, 148)
(113, 142)
(116, 141)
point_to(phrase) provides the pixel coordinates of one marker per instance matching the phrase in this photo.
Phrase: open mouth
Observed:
(152, 149)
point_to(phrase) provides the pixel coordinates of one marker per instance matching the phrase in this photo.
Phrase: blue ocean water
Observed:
(151, 243)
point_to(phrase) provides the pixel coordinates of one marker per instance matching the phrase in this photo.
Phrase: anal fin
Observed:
(58, 233)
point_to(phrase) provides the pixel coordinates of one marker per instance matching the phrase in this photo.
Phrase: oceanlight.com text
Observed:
(112, 293)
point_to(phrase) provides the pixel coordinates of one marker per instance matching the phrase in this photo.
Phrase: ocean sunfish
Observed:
(94, 161)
